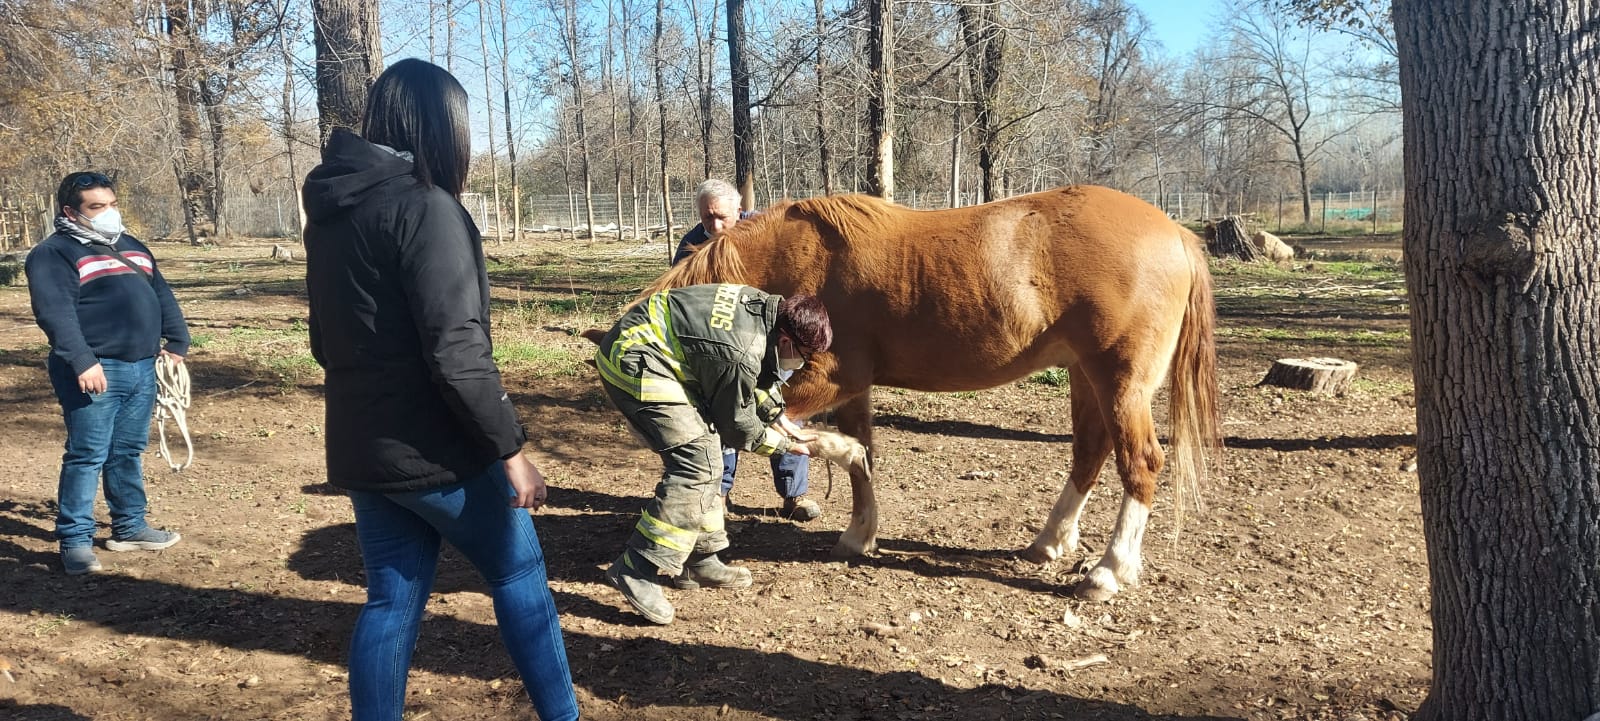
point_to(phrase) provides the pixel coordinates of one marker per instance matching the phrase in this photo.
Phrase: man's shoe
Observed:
(149, 539)
(636, 581)
(79, 560)
(708, 571)
(801, 508)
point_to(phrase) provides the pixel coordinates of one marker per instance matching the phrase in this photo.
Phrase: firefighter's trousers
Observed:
(686, 515)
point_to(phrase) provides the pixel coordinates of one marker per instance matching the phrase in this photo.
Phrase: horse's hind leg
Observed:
(1139, 460)
(854, 418)
(1090, 447)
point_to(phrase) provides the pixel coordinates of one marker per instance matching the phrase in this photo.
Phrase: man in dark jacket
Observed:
(106, 308)
(718, 205)
(692, 368)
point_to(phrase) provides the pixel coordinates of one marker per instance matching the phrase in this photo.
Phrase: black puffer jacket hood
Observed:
(351, 170)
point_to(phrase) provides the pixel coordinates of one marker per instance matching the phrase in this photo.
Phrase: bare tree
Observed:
(661, 114)
(985, 43)
(575, 79)
(1271, 82)
(488, 107)
(824, 152)
(609, 75)
(511, 140)
(705, 66)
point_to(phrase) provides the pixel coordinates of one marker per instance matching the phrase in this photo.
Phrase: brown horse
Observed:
(1083, 277)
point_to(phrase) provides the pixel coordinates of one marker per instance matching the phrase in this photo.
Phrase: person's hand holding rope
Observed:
(172, 401)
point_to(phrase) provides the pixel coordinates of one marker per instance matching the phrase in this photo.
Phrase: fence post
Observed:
(1325, 196)
(1374, 211)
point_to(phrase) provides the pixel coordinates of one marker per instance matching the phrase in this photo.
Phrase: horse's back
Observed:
(1017, 284)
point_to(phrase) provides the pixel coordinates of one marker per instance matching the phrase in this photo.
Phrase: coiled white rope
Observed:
(172, 402)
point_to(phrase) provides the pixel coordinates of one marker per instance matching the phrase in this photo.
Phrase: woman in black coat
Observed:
(420, 432)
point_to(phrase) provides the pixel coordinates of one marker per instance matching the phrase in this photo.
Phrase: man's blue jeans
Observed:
(399, 535)
(106, 433)
(790, 473)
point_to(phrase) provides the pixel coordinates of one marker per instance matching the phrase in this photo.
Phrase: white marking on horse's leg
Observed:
(861, 537)
(1123, 561)
(1060, 533)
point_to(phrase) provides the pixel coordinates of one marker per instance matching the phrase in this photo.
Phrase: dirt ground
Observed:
(1300, 591)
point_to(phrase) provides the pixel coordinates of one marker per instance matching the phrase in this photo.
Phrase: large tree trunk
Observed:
(349, 58)
(880, 102)
(744, 146)
(195, 180)
(985, 43)
(1501, 233)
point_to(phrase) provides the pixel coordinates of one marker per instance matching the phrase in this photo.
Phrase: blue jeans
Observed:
(106, 433)
(399, 535)
(791, 473)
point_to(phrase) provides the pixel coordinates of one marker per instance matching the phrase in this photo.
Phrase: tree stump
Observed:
(1232, 240)
(1328, 376)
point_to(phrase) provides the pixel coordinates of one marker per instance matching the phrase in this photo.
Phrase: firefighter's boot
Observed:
(638, 581)
(705, 570)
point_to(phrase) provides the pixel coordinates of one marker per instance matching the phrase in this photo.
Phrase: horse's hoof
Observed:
(1037, 554)
(1098, 585)
(843, 550)
(1090, 591)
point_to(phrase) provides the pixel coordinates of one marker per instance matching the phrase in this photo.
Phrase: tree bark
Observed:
(1501, 232)
(985, 43)
(744, 166)
(195, 181)
(880, 102)
(349, 58)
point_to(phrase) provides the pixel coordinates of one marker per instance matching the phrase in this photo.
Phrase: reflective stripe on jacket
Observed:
(710, 346)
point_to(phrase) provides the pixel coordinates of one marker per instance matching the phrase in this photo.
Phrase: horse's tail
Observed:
(1196, 419)
(714, 261)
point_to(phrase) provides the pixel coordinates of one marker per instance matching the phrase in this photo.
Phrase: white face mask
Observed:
(790, 364)
(108, 223)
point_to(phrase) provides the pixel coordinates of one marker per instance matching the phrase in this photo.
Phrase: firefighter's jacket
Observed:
(709, 346)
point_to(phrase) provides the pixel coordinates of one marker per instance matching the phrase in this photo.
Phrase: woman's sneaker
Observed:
(79, 560)
(149, 539)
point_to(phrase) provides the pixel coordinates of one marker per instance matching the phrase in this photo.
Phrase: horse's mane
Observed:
(851, 216)
(717, 260)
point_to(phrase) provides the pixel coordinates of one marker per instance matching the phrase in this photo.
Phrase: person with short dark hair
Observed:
(718, 205)
(687, 368)
(419, 429)
(103, 303)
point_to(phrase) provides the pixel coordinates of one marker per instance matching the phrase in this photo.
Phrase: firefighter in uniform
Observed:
(685, 366)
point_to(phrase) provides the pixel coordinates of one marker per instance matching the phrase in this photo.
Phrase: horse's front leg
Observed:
(861, 537)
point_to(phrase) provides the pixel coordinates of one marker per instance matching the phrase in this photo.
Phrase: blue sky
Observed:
(1179, 25)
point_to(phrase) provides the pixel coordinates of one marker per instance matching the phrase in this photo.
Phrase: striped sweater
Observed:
(92, 306)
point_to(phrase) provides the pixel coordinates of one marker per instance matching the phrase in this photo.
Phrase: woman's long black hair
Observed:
(420, 108)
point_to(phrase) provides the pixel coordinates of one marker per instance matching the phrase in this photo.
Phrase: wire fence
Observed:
(274, 215)
(1370, 211)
